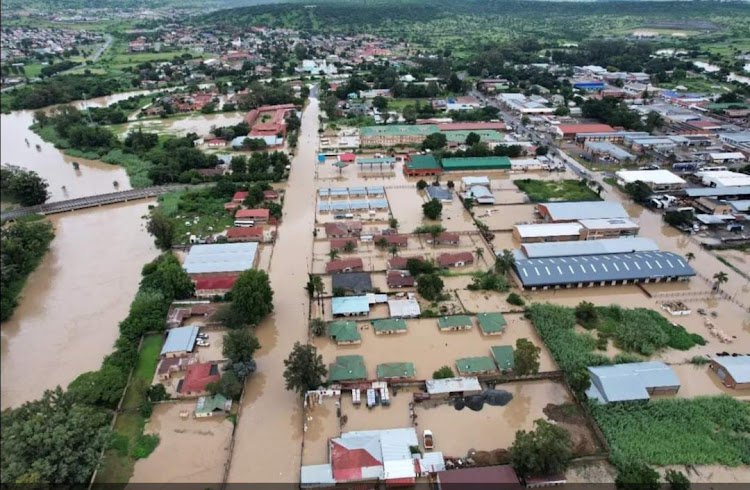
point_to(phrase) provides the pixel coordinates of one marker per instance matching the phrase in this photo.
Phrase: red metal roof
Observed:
(399, 262)
(396, 279)
(452, 258)
(339, 243)
(394, 239)
(347, 157)
(244, 231)
(585, 128)
(484, 478)
(215, 282)
(347, 464)
(239, 196)
(341, 264)
(198, 376)
(270, 194)
(469, 125)
(252, 213)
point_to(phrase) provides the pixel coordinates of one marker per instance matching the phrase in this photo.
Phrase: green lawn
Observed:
(399, 104)
(117, 467)
(556, 190)
(184, 206)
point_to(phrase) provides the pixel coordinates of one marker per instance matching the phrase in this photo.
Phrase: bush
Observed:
(145, 445)
(119, 443)
(699, 360)
(443, 372)
(515, 299)
(145, 409)
(430, 286)
(488, 281)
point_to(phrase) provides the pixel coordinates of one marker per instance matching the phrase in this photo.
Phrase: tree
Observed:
(319, 288)
(504, 261)
(393, 223)
(304, 369)
(690, 256)
(472, 139)
(430, 286)
(677, 480)
(638, 191)
(349, 246)
(432, 209)
(380, 103)
(720, 277)
(23, 186)
(421, 184)
(586, 313)
(252, 298)
(541, 150)
(103, 387)
(162, 228)
(526, 357)
(239, 345)
(579, 381)
(333, 254)
(228, 385)
(450, 185)
(637, 476)
(393, 250)
(53, 440)
(546, 450)
(455, 84)
(410, 114)
(434, 141)
(480, 252)
(157, 393)
(417, 266)
(317, 326)
(381, 242)
(443, 373)
(515, 299)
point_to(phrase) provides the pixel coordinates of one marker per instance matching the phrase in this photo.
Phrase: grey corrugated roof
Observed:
(220, 257)
(623, 382)
(738, 367)
(317, 474)
(575, 210)
(604, 267)
(359, 282)
(741, 190)
(450, 385)
(437, 192)
(589, 247)
(180, 339)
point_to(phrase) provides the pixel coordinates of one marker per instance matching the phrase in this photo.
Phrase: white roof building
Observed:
(727, 156)
(220, 257)
(724, 178)
(654, 177)
(453, 385)
(404, 308)
(538, 230)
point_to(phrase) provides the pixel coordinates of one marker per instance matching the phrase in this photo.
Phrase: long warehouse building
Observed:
(601, 269)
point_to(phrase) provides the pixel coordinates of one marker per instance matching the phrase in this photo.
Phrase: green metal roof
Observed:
(343, 331)
(396, 370)
(398, 129)
(461, 134)
(387, 324)
(469, 365)
(504, 356)
(375, 160)
(476, 163)
(347, 368)
(491, 322)
(454, 321)
(206, 404)
(422, 162)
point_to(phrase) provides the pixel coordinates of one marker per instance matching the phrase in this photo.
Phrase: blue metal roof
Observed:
(602, 267)
(541, 250)
(625, 382)
(378, 204)
(738, 367)
(376, 190)
(348, 305)
(340, 205)
(180, 339)
(324, 206)
(359, 204)
(361, 191)
(339, 191)
(324, 191)
(440, 193)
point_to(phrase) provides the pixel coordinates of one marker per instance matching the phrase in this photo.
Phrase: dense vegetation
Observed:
(556, 190)
(701, 430)
(62, 89)
(22, 245)
(22, 186)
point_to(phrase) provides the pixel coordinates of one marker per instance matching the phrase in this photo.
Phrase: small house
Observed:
(459, 259)
(208, 406)
(196, 378)
(399, 279)
(475, 365)
(343, 332)
(444, 238)
(344, 265)
(454, 322)
(350, 306)
(391, 240)
(347, 368)
(351, 282)
(340, 244)
(180, 341)
(733, 371)
(258, 215)
(504, 357)
(395, 370)
(399, 263)
(491, 323)
(388, 326)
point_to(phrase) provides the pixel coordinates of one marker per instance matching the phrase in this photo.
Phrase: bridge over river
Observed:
(92, 201)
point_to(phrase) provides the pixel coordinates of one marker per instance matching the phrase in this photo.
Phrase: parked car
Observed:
(203, 336)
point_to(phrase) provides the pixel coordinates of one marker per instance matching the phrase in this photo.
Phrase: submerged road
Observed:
(269, 428)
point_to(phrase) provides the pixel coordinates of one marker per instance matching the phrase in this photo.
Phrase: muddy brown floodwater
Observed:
(269, 429)
(92, 177)
(67, 317)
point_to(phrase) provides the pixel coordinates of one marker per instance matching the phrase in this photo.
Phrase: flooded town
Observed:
(235, 252)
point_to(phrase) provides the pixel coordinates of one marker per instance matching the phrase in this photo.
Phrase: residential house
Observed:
(212, 285)
(458, 259)
(197, 377)
(344, 265)
(209, 406)
(399, 279)
(444, 238)
(258, 215)
(733, 371)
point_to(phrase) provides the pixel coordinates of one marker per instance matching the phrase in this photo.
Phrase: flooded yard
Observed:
(56, 319)
(180, 125)
(458, 431)
(428, 348)
(190, 450)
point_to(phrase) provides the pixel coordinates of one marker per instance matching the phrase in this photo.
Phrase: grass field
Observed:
(399, 104)
(556, 190)
(117, 466)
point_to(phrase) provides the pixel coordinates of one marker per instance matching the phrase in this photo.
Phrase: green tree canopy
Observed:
(23, 186)
(546, 450)
(304, 369)
(432, 209)
(526, 357)
(252, 298)
(103, 387)
(430, 286)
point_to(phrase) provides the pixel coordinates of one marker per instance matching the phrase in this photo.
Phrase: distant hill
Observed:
(125, 4)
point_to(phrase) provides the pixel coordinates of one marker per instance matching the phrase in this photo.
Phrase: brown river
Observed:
(69, 309)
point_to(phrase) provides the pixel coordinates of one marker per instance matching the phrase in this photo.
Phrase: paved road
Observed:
(92, 201)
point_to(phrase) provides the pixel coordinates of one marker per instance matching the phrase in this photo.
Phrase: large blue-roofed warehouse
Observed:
(566, 270)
